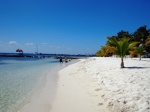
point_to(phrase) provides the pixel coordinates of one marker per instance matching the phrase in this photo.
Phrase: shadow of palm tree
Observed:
(135, 67)
(142, 59)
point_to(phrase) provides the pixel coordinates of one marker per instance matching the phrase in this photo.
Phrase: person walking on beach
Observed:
(61, 60)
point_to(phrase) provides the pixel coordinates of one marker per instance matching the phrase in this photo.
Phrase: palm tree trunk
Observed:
(122, 63)
(140, 57)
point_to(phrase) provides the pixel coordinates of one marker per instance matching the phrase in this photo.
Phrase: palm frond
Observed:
(113, 41)
(133, 45)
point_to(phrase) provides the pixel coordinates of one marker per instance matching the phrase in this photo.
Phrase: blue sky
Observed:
(67, 26)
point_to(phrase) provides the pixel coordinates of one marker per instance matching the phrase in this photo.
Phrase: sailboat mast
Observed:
(37, 48)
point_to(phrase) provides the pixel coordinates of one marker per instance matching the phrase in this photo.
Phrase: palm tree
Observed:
(122, 47)
(140, 51)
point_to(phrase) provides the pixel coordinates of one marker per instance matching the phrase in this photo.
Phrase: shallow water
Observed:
(18, 79)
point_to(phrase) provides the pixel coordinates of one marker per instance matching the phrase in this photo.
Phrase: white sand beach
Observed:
(100, 85)
(97, 84)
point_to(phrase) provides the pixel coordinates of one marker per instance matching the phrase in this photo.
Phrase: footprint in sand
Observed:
(99, 104)
(103, 95)
(98, 89)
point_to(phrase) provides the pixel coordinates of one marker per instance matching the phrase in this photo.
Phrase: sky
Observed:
(67, 26)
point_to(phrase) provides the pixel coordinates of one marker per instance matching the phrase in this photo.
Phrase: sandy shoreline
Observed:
(98, 85)
(43, 95)
(41, 99)
(75, 94)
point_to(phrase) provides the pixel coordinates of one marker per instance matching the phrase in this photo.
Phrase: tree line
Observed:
(141, 36)
(136, 44)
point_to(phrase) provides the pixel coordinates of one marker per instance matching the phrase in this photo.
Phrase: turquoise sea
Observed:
(18, 79)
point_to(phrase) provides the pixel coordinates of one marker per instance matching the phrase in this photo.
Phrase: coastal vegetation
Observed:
(140, 51)
(141, 36)
(121, 47)
(124, 43)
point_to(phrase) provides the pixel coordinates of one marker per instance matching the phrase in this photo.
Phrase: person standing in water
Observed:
(61, 60)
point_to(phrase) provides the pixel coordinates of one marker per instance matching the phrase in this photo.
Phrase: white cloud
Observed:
(12, 43)
(29, 44)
